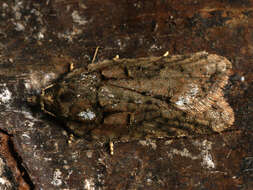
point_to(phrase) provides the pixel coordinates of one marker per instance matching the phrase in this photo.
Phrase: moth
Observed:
(143, 98)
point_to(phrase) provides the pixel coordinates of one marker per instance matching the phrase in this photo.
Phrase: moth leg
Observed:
(49, 86)
(71, 138)
(42, 105)
(78, 128)
(111, 147)
(71, 66)
(116, 57)
(166, 54)
(47, 112)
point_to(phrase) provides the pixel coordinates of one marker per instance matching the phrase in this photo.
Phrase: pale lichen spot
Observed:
(87, 115)
(57, 178)
(205, 147)
(93, 76)
(111, 95)
(184, 153)
(106, 92)
(148, 143)
(207, 160)
(4, 181)
(138, 102)
(78, 19)
(89, 184)
(5, 95)
(89, 154)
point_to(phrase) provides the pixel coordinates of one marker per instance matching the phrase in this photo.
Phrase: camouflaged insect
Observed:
(150, 97)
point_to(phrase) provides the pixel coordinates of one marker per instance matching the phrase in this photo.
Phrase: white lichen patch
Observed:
(204, 155)
(105, 89)
(78, 19)
(57, 178)
(5, 5)
(5, 94)
(89, 184)
(75, 155)
(87, 115)
(205, 147)
(106, 92)
(184, 153)
(148, 143)
(93, 89)
(168, 142)
(89, 154)
(208, 160)
(138, 102)
(47, 159)
(3, 180)
(110, 95)
(39, 80)
(19, 26)
(85, 76)
(77, 28)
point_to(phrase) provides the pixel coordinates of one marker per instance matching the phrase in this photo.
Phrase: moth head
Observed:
(33, 100)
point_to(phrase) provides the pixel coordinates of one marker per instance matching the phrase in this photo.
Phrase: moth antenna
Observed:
(42, 105)
(95, 55)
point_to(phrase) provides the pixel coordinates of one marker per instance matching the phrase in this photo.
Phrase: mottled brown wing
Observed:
(165, 96)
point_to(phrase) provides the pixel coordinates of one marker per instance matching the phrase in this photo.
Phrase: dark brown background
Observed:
(39, 38)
